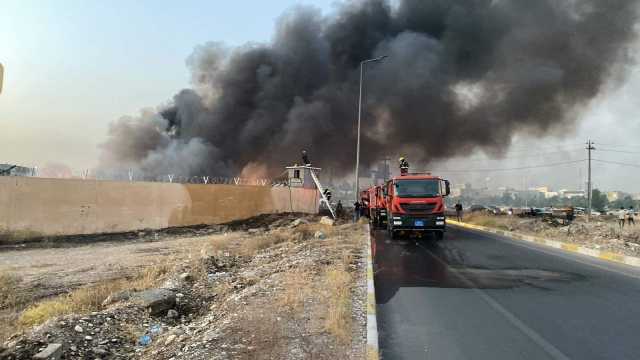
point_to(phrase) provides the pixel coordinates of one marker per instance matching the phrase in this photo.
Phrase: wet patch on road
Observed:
(408, 263)
(507, 278)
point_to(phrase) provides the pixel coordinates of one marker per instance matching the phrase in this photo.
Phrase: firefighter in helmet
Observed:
(404, 166)
(305, 158)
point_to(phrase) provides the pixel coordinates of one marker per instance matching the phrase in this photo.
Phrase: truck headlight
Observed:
(397, 222)
(439, 222)
(440, 218)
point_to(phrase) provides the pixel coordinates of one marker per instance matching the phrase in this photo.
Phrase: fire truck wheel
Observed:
(439, 235)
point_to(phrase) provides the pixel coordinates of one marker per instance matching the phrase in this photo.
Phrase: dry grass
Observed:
(338, 283)
(89, 298)
(491, 221)
(306, 231)
(9, 295)
(250, 245)
(297, 287)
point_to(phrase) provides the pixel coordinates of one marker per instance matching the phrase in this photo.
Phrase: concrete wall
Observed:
(39, 207)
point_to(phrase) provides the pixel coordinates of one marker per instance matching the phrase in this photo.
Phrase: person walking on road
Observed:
(622, 217)
(631, 217)
(459, 211)
(356, 211)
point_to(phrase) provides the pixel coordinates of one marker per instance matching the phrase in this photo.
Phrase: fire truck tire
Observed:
(439, 235)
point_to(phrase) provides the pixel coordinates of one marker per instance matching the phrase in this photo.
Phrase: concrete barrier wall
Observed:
(46, 207)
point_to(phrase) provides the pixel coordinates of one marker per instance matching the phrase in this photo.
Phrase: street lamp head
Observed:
(376, 59)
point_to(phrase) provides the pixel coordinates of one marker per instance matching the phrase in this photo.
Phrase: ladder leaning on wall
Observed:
(321, 189)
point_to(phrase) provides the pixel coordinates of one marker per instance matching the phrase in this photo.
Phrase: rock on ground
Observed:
(156, 300)
(51, 352)
(325, 220)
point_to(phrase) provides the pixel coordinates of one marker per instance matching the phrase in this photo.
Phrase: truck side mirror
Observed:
(447, 188)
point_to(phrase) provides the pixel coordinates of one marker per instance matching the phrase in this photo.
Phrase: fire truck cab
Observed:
(415, 203)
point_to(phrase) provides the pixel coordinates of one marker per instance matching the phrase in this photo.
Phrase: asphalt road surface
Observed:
(482, 296)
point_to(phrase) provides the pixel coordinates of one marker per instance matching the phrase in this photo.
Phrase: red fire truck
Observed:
(415, 203)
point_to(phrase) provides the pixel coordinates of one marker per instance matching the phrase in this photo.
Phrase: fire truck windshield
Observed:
(417, 188)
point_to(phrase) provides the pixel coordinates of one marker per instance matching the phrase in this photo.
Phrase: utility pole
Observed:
(357, 182)
(1, 76)
(589, 148)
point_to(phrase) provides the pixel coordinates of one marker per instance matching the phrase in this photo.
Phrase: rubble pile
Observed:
(222, 305)
(601, 233)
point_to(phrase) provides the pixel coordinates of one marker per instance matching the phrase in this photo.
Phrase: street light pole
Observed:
(357, 185)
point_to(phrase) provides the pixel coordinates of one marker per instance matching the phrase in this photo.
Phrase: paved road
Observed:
(482, 296)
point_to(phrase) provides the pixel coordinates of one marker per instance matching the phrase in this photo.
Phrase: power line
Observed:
(530, 149)
(620, 146)
(509, 169)
(616, 163)
(533, 155)
(618, 151)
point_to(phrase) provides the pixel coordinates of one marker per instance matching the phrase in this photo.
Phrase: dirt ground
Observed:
(277, 285)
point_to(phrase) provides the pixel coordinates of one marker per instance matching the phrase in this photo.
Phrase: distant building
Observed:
(545, 191)
(569, 194)
(615, 195)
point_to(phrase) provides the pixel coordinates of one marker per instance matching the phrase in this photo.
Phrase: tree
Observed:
(598, 200)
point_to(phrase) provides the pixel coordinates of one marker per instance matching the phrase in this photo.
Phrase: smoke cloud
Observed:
(460, 75)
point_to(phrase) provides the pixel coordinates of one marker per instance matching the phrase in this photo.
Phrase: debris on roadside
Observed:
(601, 233)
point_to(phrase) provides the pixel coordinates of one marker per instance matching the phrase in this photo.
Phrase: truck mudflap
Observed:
(435, 222)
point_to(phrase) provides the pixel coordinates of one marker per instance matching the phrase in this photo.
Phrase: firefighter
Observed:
(404, 166)
(339, 209)
(327, 194)
(459, 211)
(356, 211)
(305, 158)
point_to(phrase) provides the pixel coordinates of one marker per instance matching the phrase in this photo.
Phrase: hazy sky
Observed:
(71, 67)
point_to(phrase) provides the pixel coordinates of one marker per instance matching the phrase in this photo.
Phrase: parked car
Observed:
(477, 208)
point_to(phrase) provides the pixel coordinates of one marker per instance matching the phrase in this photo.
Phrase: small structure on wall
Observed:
(300, 176)
(307, 177)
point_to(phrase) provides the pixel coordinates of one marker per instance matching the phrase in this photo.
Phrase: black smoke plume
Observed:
(461, 75)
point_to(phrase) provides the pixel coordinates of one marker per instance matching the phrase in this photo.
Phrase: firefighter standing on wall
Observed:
(305, 158)
(404, 166)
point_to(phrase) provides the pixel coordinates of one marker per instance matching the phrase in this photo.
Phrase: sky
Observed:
(72, 67)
